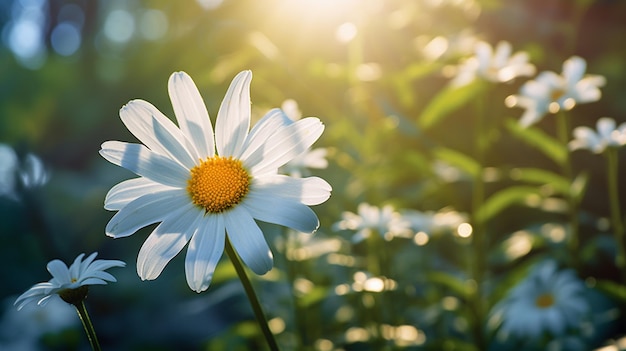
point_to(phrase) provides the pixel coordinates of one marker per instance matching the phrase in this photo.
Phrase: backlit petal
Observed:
(123, 193)
(282, 211)
(144, 162)
(233, 118)
(309, 191)
(145, 210)
(191, 113)
(204, 252)
(157, 132)
(284, 145)
(248, 240)
(166, 241)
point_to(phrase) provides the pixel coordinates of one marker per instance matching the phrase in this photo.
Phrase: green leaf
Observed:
(557, 182)
(536, 138)
(448, 100)
(459, 160)
(463, 288)
(316, 294)
(499, 201)
(579, 185)
(613, 289)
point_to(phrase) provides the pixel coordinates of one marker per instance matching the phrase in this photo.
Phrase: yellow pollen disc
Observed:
(544, 300)
(556, 94)
(218, 183)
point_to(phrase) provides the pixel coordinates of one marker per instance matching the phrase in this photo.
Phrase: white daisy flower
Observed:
(8, 171)
(547, 301)
(33, 173)
(551, 92)
(494, 65)
(607, 136)
(204, 187)
(67, 282)
(386, 221)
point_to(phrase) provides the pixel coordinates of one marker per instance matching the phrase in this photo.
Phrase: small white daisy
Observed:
(607, 136)
(552, 92)
(385, 221)
(548, 302)
(431, 222)
(66, 281)
(494, 65)
(204, 187)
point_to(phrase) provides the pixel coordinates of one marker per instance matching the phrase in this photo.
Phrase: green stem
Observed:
(254, 301)
(478, 233)
(563, 131)
(84, 318)
(618, 226)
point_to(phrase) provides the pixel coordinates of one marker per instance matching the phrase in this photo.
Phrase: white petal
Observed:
(284, 145)
(573, 69)
(282, 211)
(145, 210)
(309, 191)
(166, 241)
(204, 252)
(605, 126)
(248, 240)
(233, 118)
(157, 132)
(484, 54)
(59, 270)
(144, 162)
(501, 54)
(191, 113)
(125, 192)
(274, 120)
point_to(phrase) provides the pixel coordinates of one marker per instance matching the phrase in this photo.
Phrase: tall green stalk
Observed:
(254, 301)
(563, 132)
(478, 233)
(89, 329)
(616, 217)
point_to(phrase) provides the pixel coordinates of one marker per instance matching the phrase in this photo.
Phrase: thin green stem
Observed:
(616, 217)
(563, 132)
(478, 233)
(84, 318)
(254, 301)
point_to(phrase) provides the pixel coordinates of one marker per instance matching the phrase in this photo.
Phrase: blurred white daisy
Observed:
(204, 187)
(548, 302)
(30, 174)
(431, 222)
(493, 65)
(33, 174)
(300, 166)
(551, 92)
(8, 171)
(606, 136)
(385, 221)
(316, 158)
(66, 282)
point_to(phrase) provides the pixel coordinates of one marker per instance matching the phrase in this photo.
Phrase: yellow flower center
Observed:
(544, 300)
(218, 183)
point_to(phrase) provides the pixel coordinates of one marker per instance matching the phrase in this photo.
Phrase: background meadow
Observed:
(452, 204)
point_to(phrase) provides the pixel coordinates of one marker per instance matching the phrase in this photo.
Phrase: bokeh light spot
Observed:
(119, 26)
(65, 39)
(153, 24)
(464, 230)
